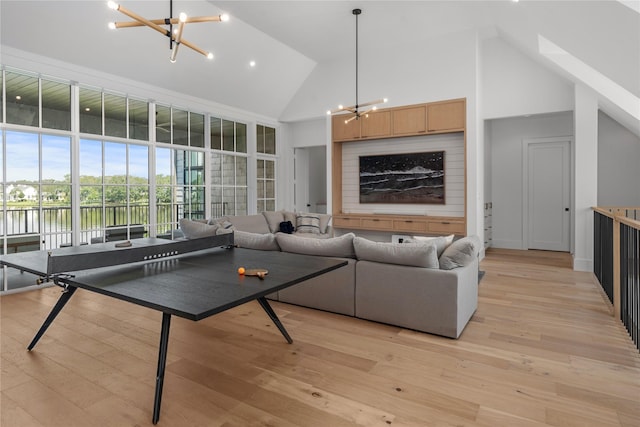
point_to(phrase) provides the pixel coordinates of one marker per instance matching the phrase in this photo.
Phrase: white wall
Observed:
(618, 164)
(405, 73)
(514, 84)
(506, 137)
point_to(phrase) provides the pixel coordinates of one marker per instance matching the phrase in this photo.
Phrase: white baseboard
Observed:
(582, 264)
(506, 244)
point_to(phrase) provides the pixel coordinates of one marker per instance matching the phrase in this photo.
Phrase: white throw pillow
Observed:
(441, 242)
(460, 253)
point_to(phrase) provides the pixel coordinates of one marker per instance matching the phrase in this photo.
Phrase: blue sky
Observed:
(22, 157)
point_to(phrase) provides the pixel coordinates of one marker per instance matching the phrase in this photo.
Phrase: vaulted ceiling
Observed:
(288, 39)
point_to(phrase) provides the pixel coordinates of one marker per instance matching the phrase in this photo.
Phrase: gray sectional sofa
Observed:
(429, 286)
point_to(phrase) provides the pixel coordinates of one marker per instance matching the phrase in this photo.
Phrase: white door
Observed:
(548, 195)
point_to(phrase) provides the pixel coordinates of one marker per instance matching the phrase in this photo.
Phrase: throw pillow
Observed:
(195, 229)
(324, 221)
(273, 219)
(412, 254)
(308, 223)
(441, 242)
(460, 253)
(286, 227)
(262, 242)
(341, 247)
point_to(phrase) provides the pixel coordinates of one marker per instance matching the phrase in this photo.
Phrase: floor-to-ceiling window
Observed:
(266, 168)
(114, 188)
(79, 161)
(228, 167)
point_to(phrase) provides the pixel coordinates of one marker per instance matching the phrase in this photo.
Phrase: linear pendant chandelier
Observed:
(355, 109)
(175, 35)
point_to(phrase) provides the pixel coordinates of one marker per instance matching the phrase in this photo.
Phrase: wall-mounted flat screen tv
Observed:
(403, 178)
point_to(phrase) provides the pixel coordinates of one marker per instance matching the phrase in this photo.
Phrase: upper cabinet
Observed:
(375, 124)
(342, 131)
(446, 116)
(411, 120)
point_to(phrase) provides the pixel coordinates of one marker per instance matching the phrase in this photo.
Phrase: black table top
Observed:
(200, 284)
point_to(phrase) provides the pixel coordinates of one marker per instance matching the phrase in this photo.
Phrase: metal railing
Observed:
(25, 226)
(617, 263)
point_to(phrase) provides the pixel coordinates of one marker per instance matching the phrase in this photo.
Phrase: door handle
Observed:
(566, 209)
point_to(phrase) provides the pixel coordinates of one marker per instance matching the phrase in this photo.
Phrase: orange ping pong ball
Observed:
(241, 270)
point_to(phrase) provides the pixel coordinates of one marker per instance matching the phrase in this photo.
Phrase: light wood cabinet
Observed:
(446, 227)
(346, 222)
(376, 223)
(341, 131)
(434, 117)
(446, 116)
(375, 124)
(410, 120)
(414, 224)
(410, 225)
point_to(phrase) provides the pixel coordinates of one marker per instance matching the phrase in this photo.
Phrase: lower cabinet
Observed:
(403, 224)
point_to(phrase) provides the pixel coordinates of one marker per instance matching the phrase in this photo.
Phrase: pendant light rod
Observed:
(355, 108)
(356, 12)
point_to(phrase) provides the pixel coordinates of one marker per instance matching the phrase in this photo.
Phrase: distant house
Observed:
(21, 192)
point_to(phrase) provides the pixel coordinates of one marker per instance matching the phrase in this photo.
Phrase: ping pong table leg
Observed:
(67, 293)
(272, 314)
(162, 361)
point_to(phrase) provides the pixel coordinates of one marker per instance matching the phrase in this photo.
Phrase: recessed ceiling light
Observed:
(18, 97)
(87, 109)
(252, 63)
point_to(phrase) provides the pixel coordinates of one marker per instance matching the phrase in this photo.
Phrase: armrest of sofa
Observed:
(430, 300)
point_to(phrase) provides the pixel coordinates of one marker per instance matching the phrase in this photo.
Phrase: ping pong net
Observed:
(101, 255)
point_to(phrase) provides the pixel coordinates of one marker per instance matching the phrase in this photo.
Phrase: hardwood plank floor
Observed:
(541, 350)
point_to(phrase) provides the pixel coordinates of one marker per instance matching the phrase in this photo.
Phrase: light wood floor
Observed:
(542, 349)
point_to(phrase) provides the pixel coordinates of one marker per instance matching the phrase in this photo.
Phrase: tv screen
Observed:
(403, 178)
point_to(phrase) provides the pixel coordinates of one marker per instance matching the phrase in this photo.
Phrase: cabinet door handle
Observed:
(376, 220)
(446, 222)
(408, 221)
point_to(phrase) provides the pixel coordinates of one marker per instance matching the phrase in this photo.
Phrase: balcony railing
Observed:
(617, 263)
(24, 228)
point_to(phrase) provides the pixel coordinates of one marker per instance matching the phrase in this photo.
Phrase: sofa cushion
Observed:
(289, 216)
(262, 242)
(441, 242)
(460, 253)
(273, 220)
(412, 254)
(341, 247)
(308, 223)
(195, 229)
(250, 223)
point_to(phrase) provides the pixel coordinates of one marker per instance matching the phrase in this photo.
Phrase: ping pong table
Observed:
(193, 279)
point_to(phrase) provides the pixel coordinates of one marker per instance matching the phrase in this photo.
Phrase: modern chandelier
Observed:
(355, 109)
(174, 34)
